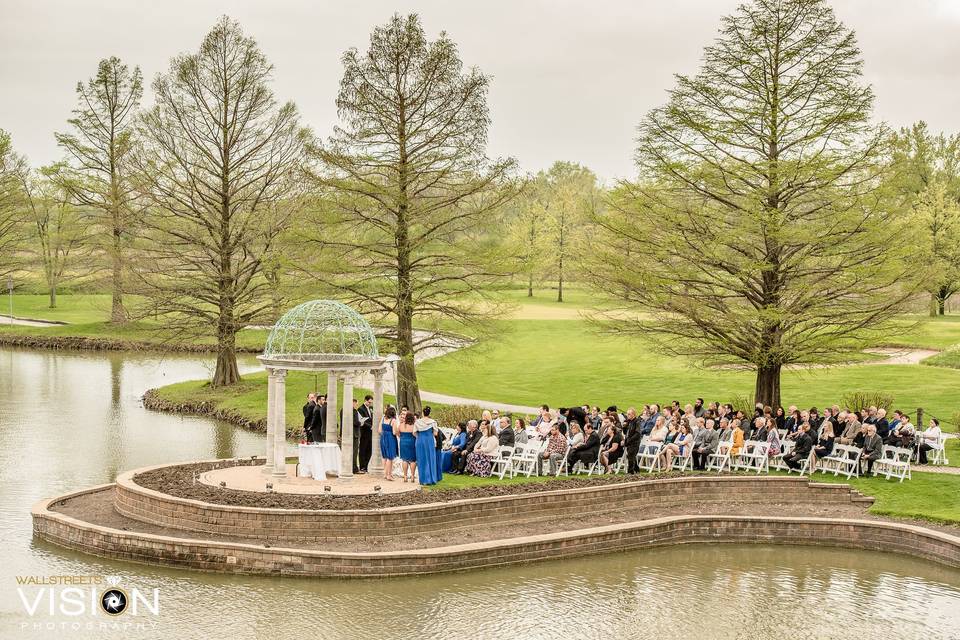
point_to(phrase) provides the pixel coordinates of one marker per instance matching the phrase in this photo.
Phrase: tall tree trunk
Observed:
(227, 372)
(560, 281)
(942, 306)
(118, 314)
(767, 389)
(530, 286)
(934, 304)
(53, 296)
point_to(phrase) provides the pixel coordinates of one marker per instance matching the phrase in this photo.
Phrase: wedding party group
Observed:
(416, 448)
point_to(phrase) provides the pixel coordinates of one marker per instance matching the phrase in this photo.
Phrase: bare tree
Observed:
(406, 188)
(218, 155)
(759, 229)
(12, 167)
(98, 171)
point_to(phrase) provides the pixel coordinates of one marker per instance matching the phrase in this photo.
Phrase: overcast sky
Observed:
(571, 79)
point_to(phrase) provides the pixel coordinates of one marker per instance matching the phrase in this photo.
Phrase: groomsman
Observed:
(308, 411)
(365, 448)
(319, 423)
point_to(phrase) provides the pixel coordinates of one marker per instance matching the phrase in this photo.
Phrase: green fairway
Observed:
(562, 362)
(79, 308)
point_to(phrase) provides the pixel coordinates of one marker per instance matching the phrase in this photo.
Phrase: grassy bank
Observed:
(928, 496)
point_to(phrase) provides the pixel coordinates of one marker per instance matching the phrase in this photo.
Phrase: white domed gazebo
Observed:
(321, 336)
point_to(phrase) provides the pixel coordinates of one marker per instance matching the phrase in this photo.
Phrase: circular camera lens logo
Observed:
(113, 601)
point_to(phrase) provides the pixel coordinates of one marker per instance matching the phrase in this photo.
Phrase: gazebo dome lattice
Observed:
(322, 330)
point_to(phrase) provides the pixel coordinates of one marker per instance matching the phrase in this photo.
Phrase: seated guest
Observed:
(850, 429)
(575, 437)
(556, 448)
(897, 418)
(520, 432)
(737, 446)
(457, 442)
(678, 447)
(802, 449)
(659, 431)
(724, 432)
(459, 456)
(883, 425)
(705, 443)
(872, 448)
(611, 448)
(773, 440)
(478, 462)
(585, 452)
(762, 428)
(506, 437)
(904, 434)
(929, 439)
(824, 445)
(543, 427)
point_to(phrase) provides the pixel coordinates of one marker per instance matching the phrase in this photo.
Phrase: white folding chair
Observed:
(894, 463)
(755, 457)
(721, 459)
(649, 457)
(786, 448)
(524, 459)
(502, 463)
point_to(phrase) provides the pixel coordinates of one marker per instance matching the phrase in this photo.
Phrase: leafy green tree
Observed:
(927, 177)
(60, 239)
(217, 156)
(406, 192)
(12, 167)
(758, 232)
(937, 213)
(98, 171)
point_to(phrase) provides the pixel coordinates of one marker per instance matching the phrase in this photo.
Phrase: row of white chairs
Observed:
(753, 456)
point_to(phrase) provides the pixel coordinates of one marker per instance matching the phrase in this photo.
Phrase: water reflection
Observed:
(72, 420)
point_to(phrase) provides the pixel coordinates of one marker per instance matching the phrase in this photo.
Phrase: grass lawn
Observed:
(79, 308)
(929, 496)
(563, 362)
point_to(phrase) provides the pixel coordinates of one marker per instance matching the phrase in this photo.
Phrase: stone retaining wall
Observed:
(253, 559)
(382, 525)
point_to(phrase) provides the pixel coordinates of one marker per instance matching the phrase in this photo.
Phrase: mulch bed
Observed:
(179, 481)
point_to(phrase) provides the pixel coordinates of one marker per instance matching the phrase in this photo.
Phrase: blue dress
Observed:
(388, 442)
(427, 454)
(446, 456)
(408, 447)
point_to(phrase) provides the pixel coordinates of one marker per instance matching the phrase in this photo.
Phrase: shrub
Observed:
(452, 415)
(860, 400)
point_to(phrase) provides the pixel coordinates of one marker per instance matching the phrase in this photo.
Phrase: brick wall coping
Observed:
(126, 482)
(233, 557)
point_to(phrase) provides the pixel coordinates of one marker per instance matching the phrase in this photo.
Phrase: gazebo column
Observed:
(331, 407)
(346, 437)
(376, 460)
(280, 423)
(268, 467)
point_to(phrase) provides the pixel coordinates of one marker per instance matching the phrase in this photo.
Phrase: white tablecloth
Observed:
(318, 459)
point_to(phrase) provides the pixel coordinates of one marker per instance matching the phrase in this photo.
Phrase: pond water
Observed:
(70, 420)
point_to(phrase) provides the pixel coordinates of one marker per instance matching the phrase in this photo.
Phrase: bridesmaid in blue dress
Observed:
(427, 449)
(408, 447)
(458, 441)
(388, 442)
